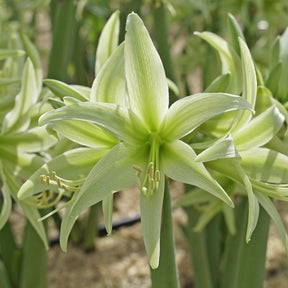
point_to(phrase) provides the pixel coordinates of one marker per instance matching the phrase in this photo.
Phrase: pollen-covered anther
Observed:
(43, 179)
(53, 176)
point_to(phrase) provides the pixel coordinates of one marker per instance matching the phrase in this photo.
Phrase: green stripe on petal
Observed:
(249, 84)
(110, 83)
(229, 59)
(151, 211)
(178, 161)
(18, 118)
(113, 118)
(84, 133)
(146, 80)
(265, 165)
(108, 41)
(188, 113)
(259, 130)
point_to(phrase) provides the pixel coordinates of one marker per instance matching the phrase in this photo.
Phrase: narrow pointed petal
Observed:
(108, 41)
(7, 201)
(146, 80)
(151, 212)
(62, 89)
(110, 83)
(224, 148)
(111, 174)
(107, 207)
(30, 212)
(34, 140)
(113, 118)
(178, 160)
(259, 130)
(84, 133)
(18, 118)
(249, 84)
(33, 54)
(229, 59)
(188, 113)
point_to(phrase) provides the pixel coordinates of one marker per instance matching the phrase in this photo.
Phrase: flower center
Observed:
(150, 183)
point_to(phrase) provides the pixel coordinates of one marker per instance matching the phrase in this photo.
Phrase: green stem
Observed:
(34, 270)
(199, 252)
(166, 275)
(10, 254)
(244, 264)
(163, 47)
(64, 30)
(91, 231)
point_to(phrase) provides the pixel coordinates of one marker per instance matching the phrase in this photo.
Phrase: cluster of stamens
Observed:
(47, 198)
(151, 180)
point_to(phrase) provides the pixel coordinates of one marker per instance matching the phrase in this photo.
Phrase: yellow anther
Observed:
(43, 179)
(59, 184)
(53, 176)
(47, 180)
(65, 187)
(137, 168)
(157, 176)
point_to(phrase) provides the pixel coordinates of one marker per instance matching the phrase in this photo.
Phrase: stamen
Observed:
(150, 183)
(53, 176)
(43, 179)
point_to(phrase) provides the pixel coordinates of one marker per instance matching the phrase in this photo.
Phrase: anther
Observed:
(149, 168)
(65, 187)
(157, 176)
(43, 179)
(59, 184)
(47, 180)
(53, 176)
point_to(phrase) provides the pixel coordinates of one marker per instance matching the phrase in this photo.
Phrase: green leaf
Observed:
(18, 118)
(178, 161)
(113, 118)
(108, 41)
(61, 90)
(265, 165)
(111, 174)
(189, 112)
(229, 59)
(151, 211)
(84, 133)
(259, 130)
(73, 165)
(110, 83)
(208, 214)
(145, 75)
(196, 196)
